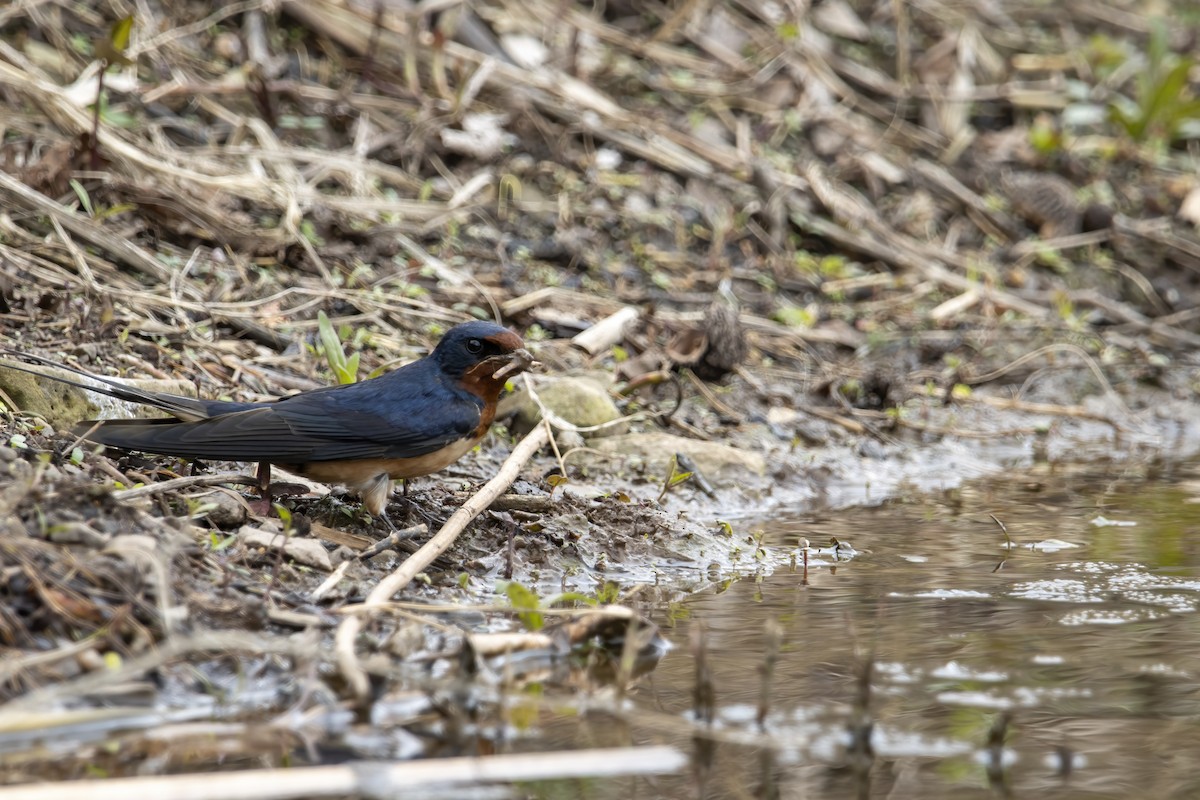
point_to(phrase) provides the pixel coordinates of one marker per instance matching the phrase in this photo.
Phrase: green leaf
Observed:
(525, 601)
(609, 593)
(344, 369)
(794, 316)
(568, 597)
(119, 35)
(679, 478)
(111, 49)
(1162, 97)
(85, 202)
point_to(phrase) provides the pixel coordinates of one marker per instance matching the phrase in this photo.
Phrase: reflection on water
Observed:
(1028, 669)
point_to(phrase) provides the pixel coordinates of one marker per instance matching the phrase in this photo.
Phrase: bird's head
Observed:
(482, 356)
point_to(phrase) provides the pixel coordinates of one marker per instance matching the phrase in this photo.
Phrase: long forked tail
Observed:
(184, 408)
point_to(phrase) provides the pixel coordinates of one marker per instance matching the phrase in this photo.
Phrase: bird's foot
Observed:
(383, 516)
(415, 509)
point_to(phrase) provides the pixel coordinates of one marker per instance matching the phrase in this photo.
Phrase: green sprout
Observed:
(344, 367)
(1165, 108)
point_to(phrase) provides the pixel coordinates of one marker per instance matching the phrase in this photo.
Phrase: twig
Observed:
(363, 778)
(607, 332)
(710, 396)
(318, 594)
(394, 539)
(1083, 355)
(852, 425)
(348, 631)
(183, 483)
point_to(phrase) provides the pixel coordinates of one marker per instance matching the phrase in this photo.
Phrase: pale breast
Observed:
(356, 473)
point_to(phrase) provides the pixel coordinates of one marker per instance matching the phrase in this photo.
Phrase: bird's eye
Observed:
(474, 346)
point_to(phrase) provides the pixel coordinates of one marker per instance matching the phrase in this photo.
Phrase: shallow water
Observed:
(1078, 663)
(1057, 661)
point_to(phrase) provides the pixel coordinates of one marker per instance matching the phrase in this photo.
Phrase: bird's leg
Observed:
(263, 476)
(383, 515)
(375, 495)
(378, 491)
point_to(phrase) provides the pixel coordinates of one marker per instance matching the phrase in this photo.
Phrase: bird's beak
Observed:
(517, 362)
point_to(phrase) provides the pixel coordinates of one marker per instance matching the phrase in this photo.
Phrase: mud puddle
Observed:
(1054, 662)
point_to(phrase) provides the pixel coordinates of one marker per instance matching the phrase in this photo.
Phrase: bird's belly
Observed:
(355, 473)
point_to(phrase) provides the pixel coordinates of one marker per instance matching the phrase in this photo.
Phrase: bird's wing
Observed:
(381, 418)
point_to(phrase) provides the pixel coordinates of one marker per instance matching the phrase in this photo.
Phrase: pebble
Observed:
(228, 512)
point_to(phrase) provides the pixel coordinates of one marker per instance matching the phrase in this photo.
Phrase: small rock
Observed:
(20, 469)
(343, 553)
(779, 415)
(722, 464)
(228, 45)
(309, 552)
(870, 448)
(227, 511)
(581, 401)
(385, 560)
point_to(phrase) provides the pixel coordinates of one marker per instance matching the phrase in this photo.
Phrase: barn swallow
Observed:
(413, 421)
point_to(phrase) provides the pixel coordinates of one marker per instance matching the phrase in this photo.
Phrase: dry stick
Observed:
(1050, 409)
(183, 483)
(607, 332)
(565, 298)
(1134, 318)
(961, 433)
(1089, 362)
(77, 255)
(348, 631)
(893, 253)
(19, 195)
(845, 421)
(710, 396)
(364, 778)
